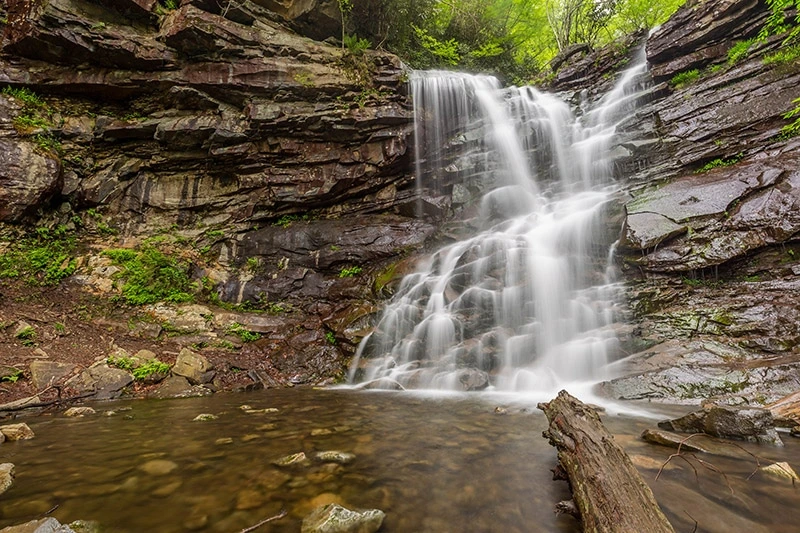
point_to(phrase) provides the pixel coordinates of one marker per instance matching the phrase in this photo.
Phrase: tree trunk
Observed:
(608, 490)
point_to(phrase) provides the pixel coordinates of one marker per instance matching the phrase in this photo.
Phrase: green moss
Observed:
(44, 257)
(685, 78)
(150, 276)
(784, 55)
(243, 333)
(720, 162)
(740, 50)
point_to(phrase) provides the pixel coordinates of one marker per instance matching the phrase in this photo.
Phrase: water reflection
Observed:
(438, 464)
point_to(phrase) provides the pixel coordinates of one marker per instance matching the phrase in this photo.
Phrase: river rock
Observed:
(672, 440)
(6, 476)
(333, 456)
(158, 467)
(194, 367)
(291, 460)
(742, 423)
(79, 411)
(333, 518)
(781, 470)
(19, 431)
(46, 373)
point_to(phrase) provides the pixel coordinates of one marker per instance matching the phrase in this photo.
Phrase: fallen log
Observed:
(609, 493)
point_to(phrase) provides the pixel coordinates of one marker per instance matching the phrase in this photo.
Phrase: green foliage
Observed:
(149, 276)
(27, 335)
(12, 377)
(740, 50)
(44, 257)
(286, 220)
(720, 162)
(350, 272)
(444, 52)
(243, 333)
(151, 367)
(784, 55)
(330, 337)
(778, 22)
(34, 116)
(685, 78)
(124, 363)
(60, 328)
(355, 45)
(790, 130)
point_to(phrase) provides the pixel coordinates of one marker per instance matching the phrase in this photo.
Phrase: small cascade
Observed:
(525, 304)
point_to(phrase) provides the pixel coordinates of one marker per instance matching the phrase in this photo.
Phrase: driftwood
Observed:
(608, 490)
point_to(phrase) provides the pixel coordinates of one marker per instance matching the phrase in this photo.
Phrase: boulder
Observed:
(333, 518)
(179, 387)
(6, 476)
(194, 367)
(79, 411)
(105, 381)
(46, 373)
(750, 424)
(17, 432)
(27, 178)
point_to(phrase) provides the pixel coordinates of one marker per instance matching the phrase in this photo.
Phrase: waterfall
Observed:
(525, 303)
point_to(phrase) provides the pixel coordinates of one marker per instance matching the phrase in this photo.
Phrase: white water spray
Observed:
(525, 305)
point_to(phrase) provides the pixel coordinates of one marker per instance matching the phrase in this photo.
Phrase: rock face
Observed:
(710, 239)
(282, 161)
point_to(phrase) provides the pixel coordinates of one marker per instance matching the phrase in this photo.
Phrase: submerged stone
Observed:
(17, 432)
(6, 476)
(333, 518)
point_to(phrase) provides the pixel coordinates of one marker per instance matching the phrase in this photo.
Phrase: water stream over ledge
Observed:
(446, 463)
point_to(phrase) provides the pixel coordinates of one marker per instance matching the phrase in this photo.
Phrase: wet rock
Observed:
(14, 432)
(781, 470)
(6, 476)
(333, 456)
(292, 460)
(786, 411)
(46, 373)
(194, 367)
(333, 518)
(672, 440)
(204, 416)
(105, 381)
(158, 467)
(79, 411)
(44, 525)
(741, 423)
(471, 379)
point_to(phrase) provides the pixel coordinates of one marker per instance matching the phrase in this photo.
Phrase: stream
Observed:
(433, 462)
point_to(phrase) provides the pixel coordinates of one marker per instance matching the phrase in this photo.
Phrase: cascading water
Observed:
(524, 305)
